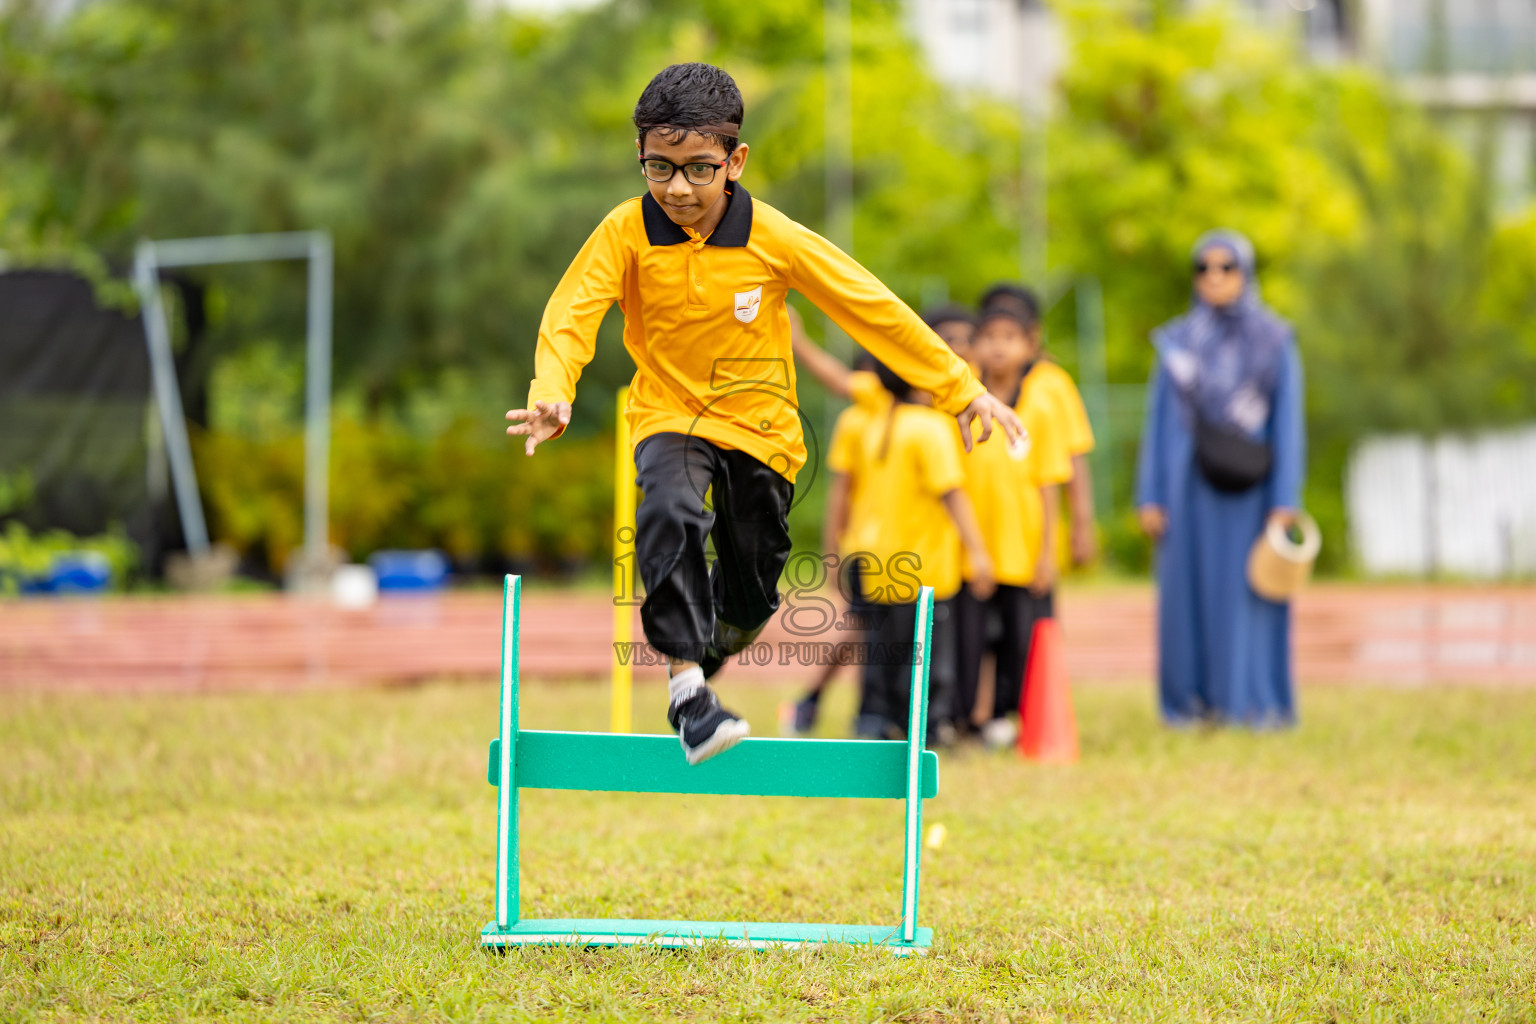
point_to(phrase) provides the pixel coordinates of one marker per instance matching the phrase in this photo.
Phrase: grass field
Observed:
(328, 856)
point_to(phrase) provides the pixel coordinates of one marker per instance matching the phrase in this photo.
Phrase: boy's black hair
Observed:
(947, 314)
(1007, 310)
(862, 360)
(686, 97)
(898, 388)
(901, 392)
(1020, 300)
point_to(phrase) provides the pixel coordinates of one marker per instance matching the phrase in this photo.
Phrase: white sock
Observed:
(685, 684)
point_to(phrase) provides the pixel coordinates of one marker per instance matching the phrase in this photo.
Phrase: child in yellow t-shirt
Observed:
(862, 387)
(1015, 502)
(909, 523)
(1048, 376)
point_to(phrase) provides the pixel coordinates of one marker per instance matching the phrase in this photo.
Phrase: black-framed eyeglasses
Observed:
(697, 172)
(1202, 267)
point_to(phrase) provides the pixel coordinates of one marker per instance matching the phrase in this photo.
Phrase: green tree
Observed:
(1375, 232)
(460, 153)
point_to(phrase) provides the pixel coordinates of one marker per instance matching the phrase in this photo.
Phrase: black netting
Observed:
(74, 396)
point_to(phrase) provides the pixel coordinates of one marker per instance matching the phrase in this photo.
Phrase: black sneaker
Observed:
(805, 715)
(798, 718)
(704, 727)
(876, 727)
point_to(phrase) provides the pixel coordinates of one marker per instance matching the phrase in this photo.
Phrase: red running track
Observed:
(1344, 634)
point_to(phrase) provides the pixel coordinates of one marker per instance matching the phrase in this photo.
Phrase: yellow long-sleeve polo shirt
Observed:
(704, 320)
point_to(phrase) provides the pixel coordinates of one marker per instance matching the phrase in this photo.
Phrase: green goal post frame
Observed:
(534, 759)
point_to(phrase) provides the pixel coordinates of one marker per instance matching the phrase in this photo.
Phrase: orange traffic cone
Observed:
(1047, 726)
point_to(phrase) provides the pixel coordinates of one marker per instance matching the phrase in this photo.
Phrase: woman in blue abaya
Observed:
(1222, 454)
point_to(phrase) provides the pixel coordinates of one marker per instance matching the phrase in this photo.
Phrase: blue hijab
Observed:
(1225, 361)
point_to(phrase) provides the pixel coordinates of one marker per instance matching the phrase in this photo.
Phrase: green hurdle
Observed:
(532, 759)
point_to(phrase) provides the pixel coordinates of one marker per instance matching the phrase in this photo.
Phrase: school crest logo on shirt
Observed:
(748, 303)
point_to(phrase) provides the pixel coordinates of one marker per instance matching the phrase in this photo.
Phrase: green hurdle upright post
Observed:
(535, 759)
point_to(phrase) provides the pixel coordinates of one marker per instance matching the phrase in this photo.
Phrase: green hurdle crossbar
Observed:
(533, 759)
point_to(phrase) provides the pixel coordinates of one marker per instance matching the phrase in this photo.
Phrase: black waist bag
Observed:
(1229, 460)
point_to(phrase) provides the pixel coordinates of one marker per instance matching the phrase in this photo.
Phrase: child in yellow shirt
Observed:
(700, 270)
(909, 524)
(863, 388)
(1072, 421)
(1015, 501)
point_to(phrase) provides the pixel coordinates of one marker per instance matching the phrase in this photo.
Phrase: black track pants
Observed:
(747, 518)
(1018, 610)
(888, 665)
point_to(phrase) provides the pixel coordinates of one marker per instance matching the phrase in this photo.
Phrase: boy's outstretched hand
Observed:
(987, 408)
(542, 422)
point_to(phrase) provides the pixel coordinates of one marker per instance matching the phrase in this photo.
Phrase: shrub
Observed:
(27, 556)
(470, 493)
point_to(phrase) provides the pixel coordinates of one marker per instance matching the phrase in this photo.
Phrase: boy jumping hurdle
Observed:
(700, 270)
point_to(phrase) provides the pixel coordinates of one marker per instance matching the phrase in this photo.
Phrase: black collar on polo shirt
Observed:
(733, 231)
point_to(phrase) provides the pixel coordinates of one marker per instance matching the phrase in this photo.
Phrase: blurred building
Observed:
(1473, 62)
(1009, 48)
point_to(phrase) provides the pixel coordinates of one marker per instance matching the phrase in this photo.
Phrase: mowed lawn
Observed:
(328, 856)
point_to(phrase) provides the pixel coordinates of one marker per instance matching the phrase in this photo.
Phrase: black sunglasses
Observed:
(1202, 267)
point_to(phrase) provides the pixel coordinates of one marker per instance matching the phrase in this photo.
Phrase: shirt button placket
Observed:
(696, 274)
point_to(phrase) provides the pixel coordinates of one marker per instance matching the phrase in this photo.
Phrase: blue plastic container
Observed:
(410, 571)
(73, 572)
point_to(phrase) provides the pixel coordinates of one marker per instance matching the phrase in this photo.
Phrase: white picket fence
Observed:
(1459, 506)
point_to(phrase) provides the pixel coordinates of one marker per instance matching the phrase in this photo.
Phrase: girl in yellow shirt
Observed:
(1015, 501)
(909, 523)
(861, 386)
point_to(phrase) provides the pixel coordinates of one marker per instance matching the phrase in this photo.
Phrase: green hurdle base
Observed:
(535, 759)
(686, 934)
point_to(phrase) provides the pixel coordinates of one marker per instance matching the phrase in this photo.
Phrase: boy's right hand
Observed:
(544, 421)
(988, 409)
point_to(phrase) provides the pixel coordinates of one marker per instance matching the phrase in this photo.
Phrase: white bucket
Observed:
(354, 587)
